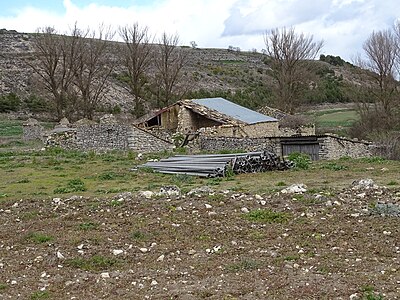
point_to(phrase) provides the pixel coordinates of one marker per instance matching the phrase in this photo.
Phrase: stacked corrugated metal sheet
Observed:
(219, 165)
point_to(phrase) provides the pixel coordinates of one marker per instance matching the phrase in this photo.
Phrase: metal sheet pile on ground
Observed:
(219, 165)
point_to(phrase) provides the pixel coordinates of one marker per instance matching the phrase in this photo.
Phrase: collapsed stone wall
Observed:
(32, 130)
(334, 147)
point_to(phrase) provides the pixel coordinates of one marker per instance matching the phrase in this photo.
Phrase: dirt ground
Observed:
(336, 244)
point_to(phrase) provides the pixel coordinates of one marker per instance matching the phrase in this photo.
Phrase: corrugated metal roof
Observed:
(234, 110)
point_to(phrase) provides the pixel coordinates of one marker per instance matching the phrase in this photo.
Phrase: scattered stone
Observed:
(170, 191)
(153, 283)
(203, 190)
(208, 206)
(105, 275)
(192, 252)
(258, 197)
(295, 189)
(363, 184)
(60, 255)
(146, 194)
(161, 257)
(118, 251)
(244, 210)
(144, 250)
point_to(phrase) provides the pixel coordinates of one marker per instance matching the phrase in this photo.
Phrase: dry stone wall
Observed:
(330, 146)
(207, 143)
(142, 141)
(334, 147)
(32, 130)
(106, 137)
(102, 137)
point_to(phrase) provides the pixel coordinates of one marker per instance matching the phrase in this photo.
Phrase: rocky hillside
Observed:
(243, 77)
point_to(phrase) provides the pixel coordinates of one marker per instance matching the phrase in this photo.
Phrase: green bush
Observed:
(10, 102)
(301, 160)
(36, 104)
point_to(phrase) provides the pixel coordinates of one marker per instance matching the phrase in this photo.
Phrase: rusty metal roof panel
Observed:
(234, 110)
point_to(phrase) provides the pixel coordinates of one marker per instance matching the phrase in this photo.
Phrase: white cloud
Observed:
(343, 24)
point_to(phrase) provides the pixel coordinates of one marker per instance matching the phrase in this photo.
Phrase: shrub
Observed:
(301, 160)
(73, 185)
(10, 102)
(36, 104)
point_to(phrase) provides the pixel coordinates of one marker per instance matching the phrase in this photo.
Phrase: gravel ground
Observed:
(337, 244)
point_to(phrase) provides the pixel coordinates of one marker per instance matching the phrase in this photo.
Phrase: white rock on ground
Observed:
(117, 251)
(295, 189)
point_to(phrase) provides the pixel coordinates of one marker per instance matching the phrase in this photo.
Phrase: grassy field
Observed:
(334, 120)
(55, 172)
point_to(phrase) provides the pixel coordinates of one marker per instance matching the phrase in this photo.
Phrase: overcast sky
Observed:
(342, 24)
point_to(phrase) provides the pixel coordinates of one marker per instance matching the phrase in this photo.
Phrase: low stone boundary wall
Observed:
(330, 146)
(206, 143)
(106, 137)
(334, 147)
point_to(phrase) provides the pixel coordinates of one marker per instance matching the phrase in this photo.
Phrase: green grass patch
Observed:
(138, 235)
(266, 216)
(10, 128)
(38, 295)
(39, 238)
(393, 182)
(333, 166)
(94, 263)
(336, 118)
(88, 226)
(243, 265)
(73, 185)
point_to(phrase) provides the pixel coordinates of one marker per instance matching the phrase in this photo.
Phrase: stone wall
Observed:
(334, 147)
(142, 141)
(32, 130)
(258, 130)
(189, 122)
(208, 143)
(102, 137)
(105, 137)
(300, 131)
(330, 146)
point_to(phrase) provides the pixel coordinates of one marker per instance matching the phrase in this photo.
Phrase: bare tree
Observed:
(137, 59)
(289, 53)
(94, 67)
(169, 61)
(378, 106)
(56, 55)
(73, 68)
